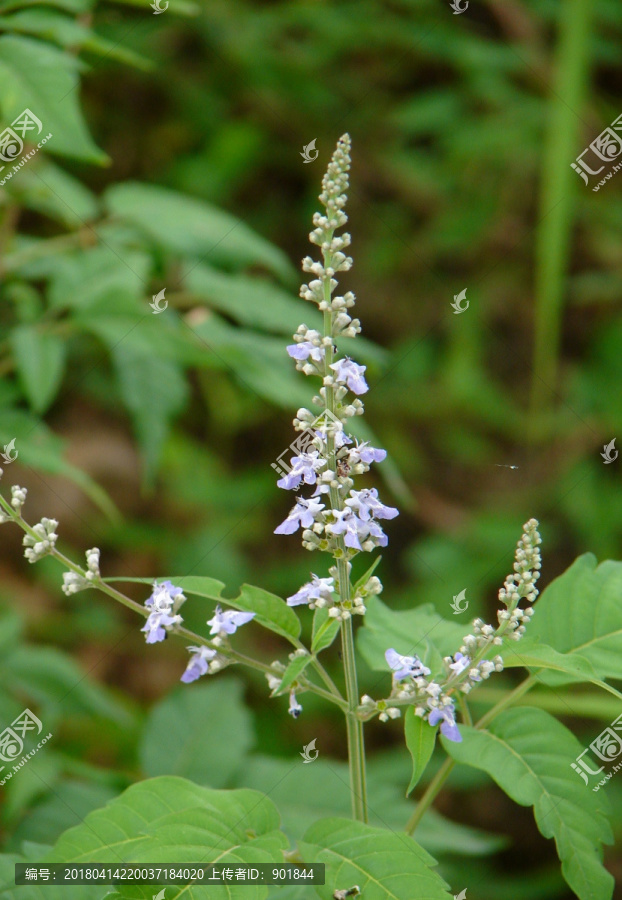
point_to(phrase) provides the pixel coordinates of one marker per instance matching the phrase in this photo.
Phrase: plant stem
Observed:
(333, 696)
(556, 204)
(354, 726)
(356, 745)
(506, 701)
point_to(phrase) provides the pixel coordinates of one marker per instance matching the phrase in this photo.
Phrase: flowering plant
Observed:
(432, 688)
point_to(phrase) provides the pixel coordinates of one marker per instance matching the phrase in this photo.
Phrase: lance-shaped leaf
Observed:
(529, 754)
(386, 865)
(325, 630)
(297, 665)
(420, 738)
(581, 612)
(270, 611)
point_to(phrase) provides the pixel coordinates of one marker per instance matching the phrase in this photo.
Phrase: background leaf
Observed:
(579, 612)
(202, 732)
(528, 753)
(420, 631)
(34, 75)
(186, 226)
(40, 359)
(153, 390)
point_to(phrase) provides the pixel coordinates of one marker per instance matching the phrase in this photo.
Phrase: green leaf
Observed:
(325, 630)
(85, 280)
(67, 802)
(46, 674)
(36, 76)
(528, 753)
(420, 739)
(192, 228)
(153, 390)
(255, 302)
(386, 865)
(257, 360)
(362, 581)
(270, 611)
(42, 450)
(419, 631)
(51, 25)
(172, 818)
(208, 733)
(540, 656)
(54, 193)
(297, 665)
(579, 612)
(40, 361)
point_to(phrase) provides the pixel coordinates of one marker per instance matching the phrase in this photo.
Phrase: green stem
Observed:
(354, 726)
(510, 698)
(430, 794)
(333, 696)
(356, 745)
(319, 668)
(556, 204)
(585, 705)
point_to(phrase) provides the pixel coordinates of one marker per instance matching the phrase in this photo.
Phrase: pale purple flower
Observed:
(156, 625)
(350, 374)
(163, 596)
(294, 707)
(365, 454)
(350, 526)
(303, 467)
(445, 715)
(461, 663)
(306, 349)
(303, 513)
(341, 438)
(405, 666)
(372, 529)
(228, 621)
(316, 589)
(366, 504)
(198, 664)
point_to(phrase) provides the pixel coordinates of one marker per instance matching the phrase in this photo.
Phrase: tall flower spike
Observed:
(347, 522)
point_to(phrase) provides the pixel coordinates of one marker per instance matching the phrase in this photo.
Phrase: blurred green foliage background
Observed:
(152, 437)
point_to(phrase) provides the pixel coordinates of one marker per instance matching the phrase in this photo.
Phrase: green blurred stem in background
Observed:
(556, 204)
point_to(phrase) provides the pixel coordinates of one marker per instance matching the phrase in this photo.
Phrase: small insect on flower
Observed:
(343, 469)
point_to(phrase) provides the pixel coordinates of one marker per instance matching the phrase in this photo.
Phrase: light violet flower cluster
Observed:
(335, 518)
(432, 698)
(163, 604)
(207, 660)
(161, 607)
